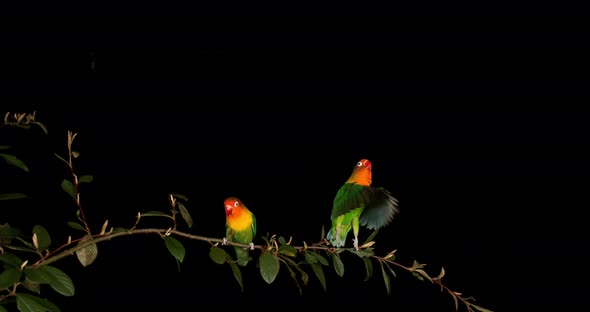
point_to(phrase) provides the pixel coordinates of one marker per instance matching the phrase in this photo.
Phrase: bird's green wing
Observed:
(228, 232)
(380, 209)
(349, 197)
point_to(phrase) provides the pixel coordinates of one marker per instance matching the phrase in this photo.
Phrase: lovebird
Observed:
(358, 203)
(240, 225)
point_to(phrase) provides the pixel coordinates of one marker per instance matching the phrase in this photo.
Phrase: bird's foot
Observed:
(224, 241)
(251, 246)
(355, 241)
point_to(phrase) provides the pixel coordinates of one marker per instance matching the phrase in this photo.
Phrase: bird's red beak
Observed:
(228, 209)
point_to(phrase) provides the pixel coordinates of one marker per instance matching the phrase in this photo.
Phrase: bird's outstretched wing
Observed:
(380, 209)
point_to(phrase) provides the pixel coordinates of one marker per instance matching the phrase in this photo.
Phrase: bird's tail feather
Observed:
(243, 255)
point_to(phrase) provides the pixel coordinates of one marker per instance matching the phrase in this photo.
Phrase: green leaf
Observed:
(482, 309)
(363, 253)
(456, 301)
(418, 276)
(154, 214)
(175, 247)
(385, 278)
(320, 258)
(7, 234)
(19, 248)
(32, 286)
(69, 188)
(62, 159)
(319, 272)
(368, 268)
(30, 303)
(185, 215)
(288, 250)
(424, 274)
(4, 147)
(294, 277)
(7, 229)
(25, 303)
(88, 254)
(42, 126)
(43, 238)
(180, 196)
(237, 273)
(288, 260)
(7, 196)
(37, 275)
(2, 309)
(9, 277)
(59, 281)
(218, 255)
(75, 154)
(14, 161)
(85, 179)
(76, 226)
(26, 244)
(269, 266)
(372, 236)
(282, 240)
(304, 276)
(309, 257)
(291, 264)
(338, 265)
(266, 240)
(11, 259)
(391, 270)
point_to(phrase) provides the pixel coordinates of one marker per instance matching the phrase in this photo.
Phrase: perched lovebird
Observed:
(357, 203)
(240, 225)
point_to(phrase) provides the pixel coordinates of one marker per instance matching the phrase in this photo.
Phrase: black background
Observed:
(489, 191)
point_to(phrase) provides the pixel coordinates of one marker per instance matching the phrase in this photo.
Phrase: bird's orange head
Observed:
(234, 207)
(230, 204)
(361, 174)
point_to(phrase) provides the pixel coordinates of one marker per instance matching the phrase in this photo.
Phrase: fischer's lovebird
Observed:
(240, 225)
(358, 203)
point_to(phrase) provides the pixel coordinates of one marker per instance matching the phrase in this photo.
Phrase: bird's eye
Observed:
(236, 203)
(360, 163)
